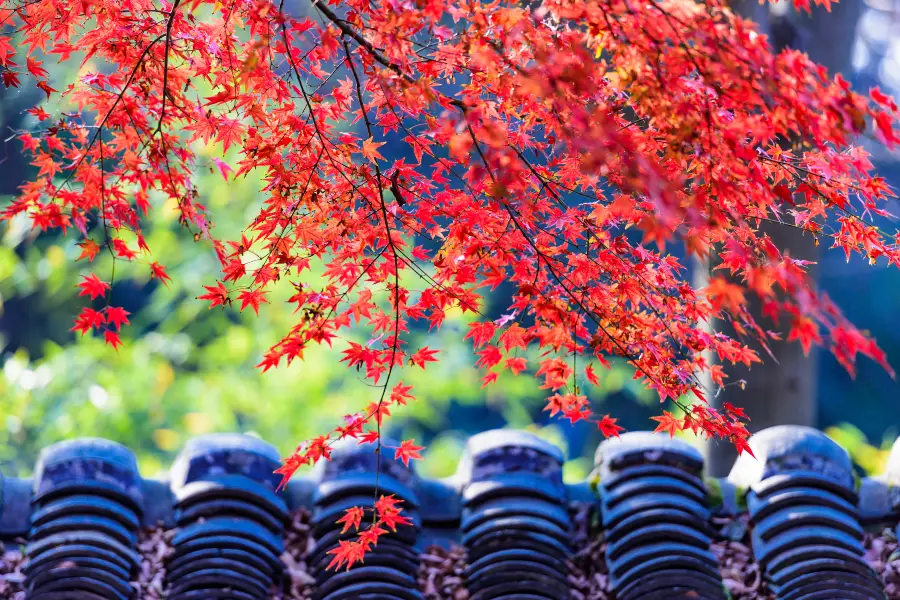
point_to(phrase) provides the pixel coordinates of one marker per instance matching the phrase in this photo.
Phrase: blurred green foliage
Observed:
(870, 458)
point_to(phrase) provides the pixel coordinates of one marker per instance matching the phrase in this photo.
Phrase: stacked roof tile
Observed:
(794, 524)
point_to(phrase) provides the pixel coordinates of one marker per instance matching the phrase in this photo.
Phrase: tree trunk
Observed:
(783, 390)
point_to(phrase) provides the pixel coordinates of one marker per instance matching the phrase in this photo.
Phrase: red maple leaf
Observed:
(158, 271)
(516, 364)
(378, 411)
(10, 78)
(30, 143)
(39, 113)
(734, 411)
(369, 437)
(122, 250)
(216, 295)
(489, 379)
(87, 320)
(347, 553)
(370, 150)
(391, 520)
(229, 132)
(667, 422)
(740, 443)
(353, 516)
(6, 50)
(481, 333)
(43, 85)
(35, 68)
(400, 394)
(488, 357)
(116, 316)
(408, 451)
(514, 337)
(389, 503)
(112, 338)
(251, 298)
(424, 355)
(89, 250)
(369, 536)
(806, 332)
(92, 286)
(608, 427)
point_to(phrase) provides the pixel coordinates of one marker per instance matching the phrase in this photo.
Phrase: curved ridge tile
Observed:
(351, 478)
(875, 506)
(802, 503)
(348, 457)
(88, 465)
(795, 451)
(84, 521)
(515, 525)
(655, 512)
(230, 519)
(221, 454)
(642, 448)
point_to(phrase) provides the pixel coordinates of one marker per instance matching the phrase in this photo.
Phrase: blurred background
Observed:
(186, 370)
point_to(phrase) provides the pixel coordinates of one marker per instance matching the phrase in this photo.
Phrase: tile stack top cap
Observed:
(355, 466)
(350, 456)
(506, 451)
(642, 447)
(511, 438)
(216, 456)
(792, 450)
(88, 463)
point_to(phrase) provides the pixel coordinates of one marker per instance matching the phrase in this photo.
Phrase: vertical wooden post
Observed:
(783, 391)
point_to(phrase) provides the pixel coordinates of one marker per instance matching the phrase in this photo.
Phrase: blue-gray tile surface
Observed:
(794, 523)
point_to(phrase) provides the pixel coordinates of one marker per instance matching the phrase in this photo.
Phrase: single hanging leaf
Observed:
(92, 287)
(408, 451)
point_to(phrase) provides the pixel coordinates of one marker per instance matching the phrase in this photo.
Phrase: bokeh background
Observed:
(186, 370)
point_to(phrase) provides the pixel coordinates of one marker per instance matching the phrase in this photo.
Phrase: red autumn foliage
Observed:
(556, 147)
(385, 513)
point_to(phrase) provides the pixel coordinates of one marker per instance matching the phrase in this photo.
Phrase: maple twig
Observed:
(346, 29)
(165, 82)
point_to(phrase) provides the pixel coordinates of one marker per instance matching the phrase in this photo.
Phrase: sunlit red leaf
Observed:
(408, 451)
(668, 423)
(216, 295)
(92, 287)
(608, 427)
(116, 316)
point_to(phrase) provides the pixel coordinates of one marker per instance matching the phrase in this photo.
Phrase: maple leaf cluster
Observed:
(312, 451)
(417, 155)
(386, 514)
(108, 320)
